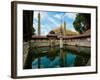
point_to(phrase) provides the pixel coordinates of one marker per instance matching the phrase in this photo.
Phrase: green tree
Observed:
(33, 31)
(82, 22)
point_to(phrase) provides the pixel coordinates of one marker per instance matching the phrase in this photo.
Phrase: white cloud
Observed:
(44, 15)
(53, 21)
(44, 32)
(36, 14)
(71, 15)
(57, 16)
(45, 29)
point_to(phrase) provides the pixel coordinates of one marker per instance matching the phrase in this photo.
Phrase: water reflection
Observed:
(70, 59)
(55, 57)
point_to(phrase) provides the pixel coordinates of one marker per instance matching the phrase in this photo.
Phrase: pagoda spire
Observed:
(39, 24)
(64, 28)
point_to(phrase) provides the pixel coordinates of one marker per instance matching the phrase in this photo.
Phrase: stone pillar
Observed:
(61, 42)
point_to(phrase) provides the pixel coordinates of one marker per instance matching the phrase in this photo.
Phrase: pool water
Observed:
(56, 57)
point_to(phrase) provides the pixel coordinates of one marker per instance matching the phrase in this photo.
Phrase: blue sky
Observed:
(52, 20)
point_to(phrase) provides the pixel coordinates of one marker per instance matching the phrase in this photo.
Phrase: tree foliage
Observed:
(82, 22)
(33, 31)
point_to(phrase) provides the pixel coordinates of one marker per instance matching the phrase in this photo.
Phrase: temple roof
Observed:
(84, 35)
